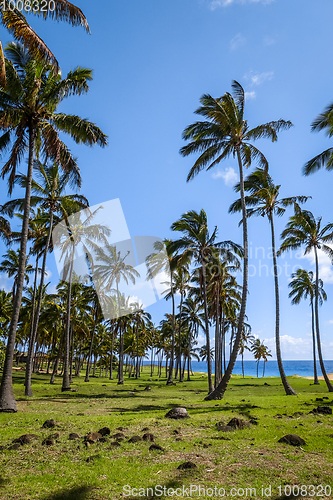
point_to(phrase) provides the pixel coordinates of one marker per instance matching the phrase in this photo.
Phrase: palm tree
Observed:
(16, 23)
(304, 229)
(324, 121)
(6, 309)
(165, 260)
(246, 337)
(5, 230)
(111, 269)
(224, 133)
(28, 111)
(264, 200)
(197, 243)
(260, 351)
(73, 233)
(303, 286)
(48, 188)
(10, 266)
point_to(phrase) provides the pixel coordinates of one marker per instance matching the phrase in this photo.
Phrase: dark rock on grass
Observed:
(49, 424)
(298, 414)
(323, 410)
(253, 421)
(80, 414)
(121, 428)
(178, 439)
(135, 439)
(48, 442)
(15, 446)
(175, 431)
(319, 399)
(177, 413)
(148, 388)
(278, 415)
(238, 423)
(115, 444)
(148, 437)
(73, 436)
(118, 435)
(105, 431)
(187, 466)
(103, 440)
(292, 439)
(92, 458)
(93, 437)
(145, 429)
(155, 447)
(25, 439)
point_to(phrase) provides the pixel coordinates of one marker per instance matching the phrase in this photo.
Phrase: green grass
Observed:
(247, 458)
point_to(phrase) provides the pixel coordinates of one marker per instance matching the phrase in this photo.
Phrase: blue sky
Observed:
(152, 61)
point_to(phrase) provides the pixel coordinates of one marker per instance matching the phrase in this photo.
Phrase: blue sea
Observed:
(301, 368)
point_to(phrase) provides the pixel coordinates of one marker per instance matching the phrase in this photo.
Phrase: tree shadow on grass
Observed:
(76, 493)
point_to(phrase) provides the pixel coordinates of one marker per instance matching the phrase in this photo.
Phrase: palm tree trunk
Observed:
(316, 381)
(7, 398)
(209, 361)
(322, 366)
(65, 381)
(287, 387)
(181, 377)
(28, 390)
(217, 378)
(111, 357)
(28, 368)
(137, 352)
(56, 363)
(218, 393)
(90, 350)
(172, 353)
(243, 365)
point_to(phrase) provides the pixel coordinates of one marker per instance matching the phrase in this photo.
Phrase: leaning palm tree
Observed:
(224, 133)
(28, 116)
(14, 20)
(196, 243)
(304, 229)
(324, 121)
(303, 286)
(263, 199)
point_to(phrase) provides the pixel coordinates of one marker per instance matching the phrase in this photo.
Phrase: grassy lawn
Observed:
(251, 457)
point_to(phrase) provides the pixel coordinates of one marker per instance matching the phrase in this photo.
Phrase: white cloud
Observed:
(229, 175)
(259, 78)
(215, 4)
(250, 95)
(237, 41)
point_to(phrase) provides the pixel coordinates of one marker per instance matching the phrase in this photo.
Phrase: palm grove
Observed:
(67, 330)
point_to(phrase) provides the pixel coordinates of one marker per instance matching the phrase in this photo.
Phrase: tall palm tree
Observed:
(196, 243)
(165, 260)
(303, 286)
(324, 121)
(111, 269)
(225, 132)
(260, 351)
(304, 229)
(16, 23)
(263, 199)
(76, 233)
(28, 115)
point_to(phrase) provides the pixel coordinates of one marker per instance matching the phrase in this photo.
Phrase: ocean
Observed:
(301, 368)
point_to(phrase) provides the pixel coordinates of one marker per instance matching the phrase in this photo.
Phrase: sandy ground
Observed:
(330, 376)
